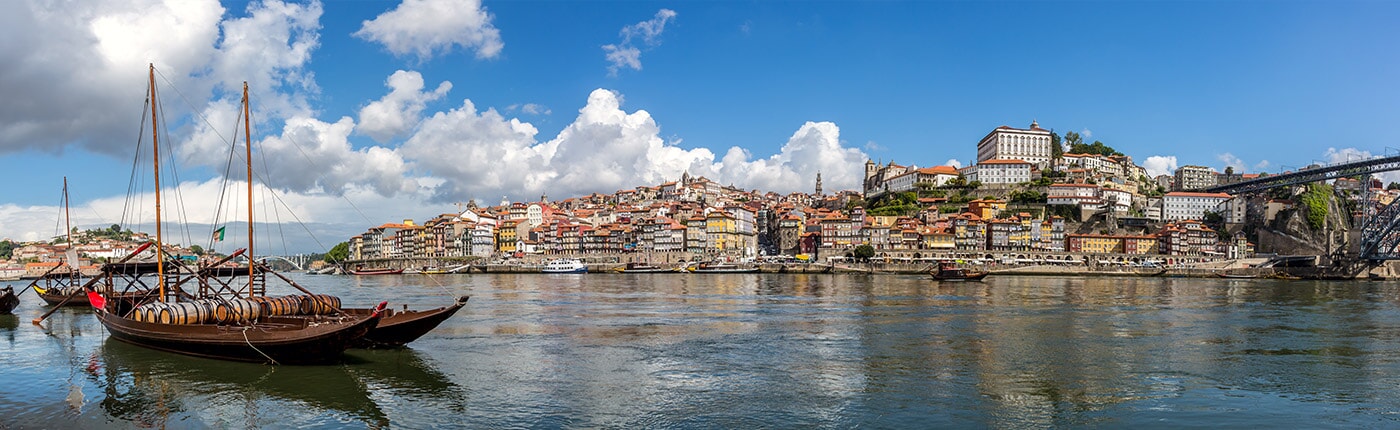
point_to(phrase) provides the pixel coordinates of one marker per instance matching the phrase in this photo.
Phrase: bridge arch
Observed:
(278, 257)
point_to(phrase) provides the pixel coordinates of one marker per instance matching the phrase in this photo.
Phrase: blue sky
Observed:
(407, 109)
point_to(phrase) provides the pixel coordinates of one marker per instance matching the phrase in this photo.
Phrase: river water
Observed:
(764, 351)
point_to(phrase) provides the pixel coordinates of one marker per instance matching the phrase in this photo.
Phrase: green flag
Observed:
(219, 235)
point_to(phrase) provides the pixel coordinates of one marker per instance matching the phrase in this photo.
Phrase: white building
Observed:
(937, 176)
(1232, 210)
(1118, 201)
(1182, 205)
(1001, 171)
(1194, 178)
(1072, 194)
(1005, 143)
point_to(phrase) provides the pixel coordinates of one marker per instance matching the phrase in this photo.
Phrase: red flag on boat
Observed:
(97, 300)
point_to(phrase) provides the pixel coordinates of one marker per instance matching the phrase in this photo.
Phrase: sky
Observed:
(366, 112)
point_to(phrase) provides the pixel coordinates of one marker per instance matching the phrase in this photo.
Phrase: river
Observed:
(764, 351)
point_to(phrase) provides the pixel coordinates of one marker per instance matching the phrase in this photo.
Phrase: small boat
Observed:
(951, 272)
(8, 300)
(361, 270)
(564, 265)
(397, 328)
(642, 268)
(720, 267)
(1228, 275)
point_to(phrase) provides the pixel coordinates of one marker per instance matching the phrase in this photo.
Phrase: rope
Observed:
(250, 344)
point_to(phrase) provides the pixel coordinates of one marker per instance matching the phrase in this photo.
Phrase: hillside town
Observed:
(1025, 194)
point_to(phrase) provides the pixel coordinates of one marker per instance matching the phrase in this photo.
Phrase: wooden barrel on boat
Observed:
(183, 313)
(284, 305)
(242, 310)
(320, 304)
(147, 312)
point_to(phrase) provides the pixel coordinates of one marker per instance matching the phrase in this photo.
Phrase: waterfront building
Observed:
(1031, 145)
(790, 229)
(875, 234)
(669, 237)
(1182, 205)
(1192, 178)
(1187, 238)
(838, 234)
(1094, 243)
(695, 238)
(506, 237)
(986, 207)
(1232, 210)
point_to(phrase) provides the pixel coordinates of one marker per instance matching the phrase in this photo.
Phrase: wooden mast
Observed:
(155, 145)
(248, 138)
(68, 229)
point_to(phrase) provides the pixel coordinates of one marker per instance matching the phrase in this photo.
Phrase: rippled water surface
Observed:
(764, 351)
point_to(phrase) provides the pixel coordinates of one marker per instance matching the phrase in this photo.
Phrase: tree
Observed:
(1229, 170)
(197, 250)
(1393, 186)
(1072, 139)
(863, 252)
(7, 249)
(115, 228)
(340, 252)
(1056, 151)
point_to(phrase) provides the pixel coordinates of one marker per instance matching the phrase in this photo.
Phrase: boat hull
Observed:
(8, 300)
(960, 278)
(368, 272)
(281, 340)
(398, 328)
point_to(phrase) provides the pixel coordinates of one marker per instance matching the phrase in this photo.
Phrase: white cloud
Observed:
(426, 28)
(483, 154)
(1262, 166)
(1334, 155)
(1231, 160)
(625, 53)
(954, 163)
(1160, 165)
(874, 147)
(529, 108)
(1086, 134)
(397, 112)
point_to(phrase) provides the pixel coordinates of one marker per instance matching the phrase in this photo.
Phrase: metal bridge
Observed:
(290, 260)
(1311, 174)
(1380, 234)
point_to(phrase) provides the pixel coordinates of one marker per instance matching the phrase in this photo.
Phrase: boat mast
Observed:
(68, 229)
(155, 146)
(248, 138)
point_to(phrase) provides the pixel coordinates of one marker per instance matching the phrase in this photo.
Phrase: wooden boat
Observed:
(720, 267)
(1228, 275)
(397, 328)
(951, 272)
(564, 265)
(360, 270)
(8, 300)
(642, 268)
(192, 310)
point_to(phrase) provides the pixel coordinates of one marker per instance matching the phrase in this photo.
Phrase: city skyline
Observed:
(420, 108)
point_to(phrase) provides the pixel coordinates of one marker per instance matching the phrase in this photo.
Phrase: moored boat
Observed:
(642, 268)
(361, 270)
(564, 265)
(198, 308)
(8, 300)
(721, 267)
(397, 328)
(951, 272)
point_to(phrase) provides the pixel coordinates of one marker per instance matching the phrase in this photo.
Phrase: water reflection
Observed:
(152, 388)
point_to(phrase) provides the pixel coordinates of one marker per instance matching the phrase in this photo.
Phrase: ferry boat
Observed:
(564, 265)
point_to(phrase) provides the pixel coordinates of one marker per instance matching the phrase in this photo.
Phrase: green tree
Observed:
(1393, 186)
(863, 252)
(1057, 151)
(7, 249)
(340, 252)
(1072, 140)
(1229, 170)
(197, 250)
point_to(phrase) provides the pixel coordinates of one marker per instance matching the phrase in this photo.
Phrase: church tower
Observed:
(819, 183)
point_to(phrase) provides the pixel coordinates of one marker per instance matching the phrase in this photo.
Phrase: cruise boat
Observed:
(951, 272)
(564, 265)
(642, 268)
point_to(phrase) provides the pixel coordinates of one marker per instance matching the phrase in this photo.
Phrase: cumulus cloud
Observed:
(625, 53)
(1334, 155)
(426, 28)
(1086, 134)
(954, 163)
(481, 153)
(1160, 165)
(397, 112)
(874, 147)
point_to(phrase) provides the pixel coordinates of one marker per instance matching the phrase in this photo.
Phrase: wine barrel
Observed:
(284, 305)
(242, 310)
(320, 304)
(146, 312)
(183, 313)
